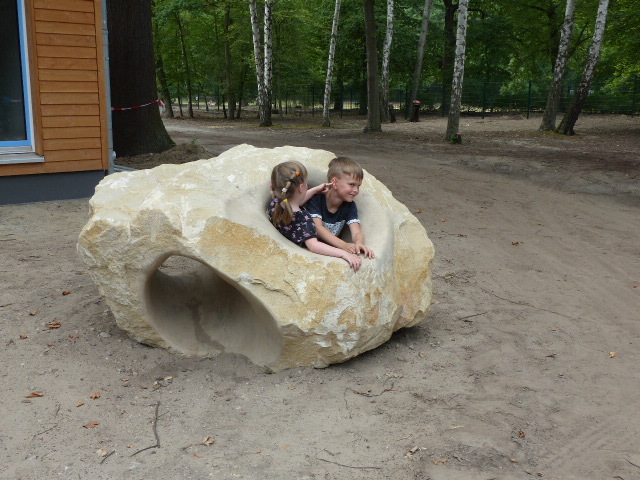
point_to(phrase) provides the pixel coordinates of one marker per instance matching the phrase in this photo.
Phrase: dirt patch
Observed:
(525, 367)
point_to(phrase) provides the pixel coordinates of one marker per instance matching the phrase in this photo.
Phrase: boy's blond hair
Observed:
(340, 166)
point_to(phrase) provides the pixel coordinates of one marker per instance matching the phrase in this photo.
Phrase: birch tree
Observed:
(332, 55)
(417, 72)
(386, 53)
(262, 54)
(265, 105)
(572, 114)
(373, 100)
(453, 121)
(560, 69)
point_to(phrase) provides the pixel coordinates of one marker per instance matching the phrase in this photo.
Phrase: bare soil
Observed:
(526, 367)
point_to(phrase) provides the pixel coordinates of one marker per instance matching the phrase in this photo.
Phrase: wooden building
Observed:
(54, 99)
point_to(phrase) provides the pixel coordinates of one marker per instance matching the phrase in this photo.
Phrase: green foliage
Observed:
(508, 42)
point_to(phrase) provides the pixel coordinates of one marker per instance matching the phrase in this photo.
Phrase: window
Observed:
(16, 128)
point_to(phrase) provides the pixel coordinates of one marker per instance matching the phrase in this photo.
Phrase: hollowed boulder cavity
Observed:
(187, 259)
(198, 312)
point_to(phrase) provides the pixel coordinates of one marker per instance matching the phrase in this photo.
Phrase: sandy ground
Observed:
(526, 367)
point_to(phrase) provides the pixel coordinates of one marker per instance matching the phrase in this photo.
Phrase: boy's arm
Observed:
(327, 237)
(358, 240)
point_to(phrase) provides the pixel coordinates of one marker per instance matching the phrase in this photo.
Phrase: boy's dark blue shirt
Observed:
(346, 214)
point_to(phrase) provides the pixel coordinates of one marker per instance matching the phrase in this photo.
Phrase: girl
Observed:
(290, 191)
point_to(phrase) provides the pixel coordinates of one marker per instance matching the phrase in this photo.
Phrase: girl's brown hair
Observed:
(285, 178)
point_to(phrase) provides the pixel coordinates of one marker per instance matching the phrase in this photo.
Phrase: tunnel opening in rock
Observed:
(198, 311)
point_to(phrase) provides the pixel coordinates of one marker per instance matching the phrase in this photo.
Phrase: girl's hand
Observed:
(322, 188)
(353, 260)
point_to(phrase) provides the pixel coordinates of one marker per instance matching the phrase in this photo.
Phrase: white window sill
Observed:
(19, 155)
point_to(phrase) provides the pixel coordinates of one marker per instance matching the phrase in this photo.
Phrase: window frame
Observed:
(13, 151)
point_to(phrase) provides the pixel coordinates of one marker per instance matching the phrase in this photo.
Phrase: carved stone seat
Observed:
(187, 259)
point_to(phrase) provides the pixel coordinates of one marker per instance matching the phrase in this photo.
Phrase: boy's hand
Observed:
(362, 248)
(351, 248)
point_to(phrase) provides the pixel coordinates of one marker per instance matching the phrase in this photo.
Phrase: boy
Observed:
(335, 208)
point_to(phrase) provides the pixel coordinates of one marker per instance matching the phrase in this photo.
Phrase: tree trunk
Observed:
(559, 71)
(571, 116)
(267, 91)
(417, 73)
(257, 51)
(164, 85)
(332, 55)
(231, 100)
(243, 77)
(373, 100)
(185, 58)
(133, 80)
(448, 54)
(458, 72)
(386, 53)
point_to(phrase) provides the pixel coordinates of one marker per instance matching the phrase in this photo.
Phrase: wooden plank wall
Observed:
(68, 87)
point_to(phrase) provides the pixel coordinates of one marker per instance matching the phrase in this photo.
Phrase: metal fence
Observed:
(478, 98)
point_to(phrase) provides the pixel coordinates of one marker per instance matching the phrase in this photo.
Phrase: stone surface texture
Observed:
(187, 260)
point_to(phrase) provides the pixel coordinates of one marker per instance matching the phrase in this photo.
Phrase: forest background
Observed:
(205, 48)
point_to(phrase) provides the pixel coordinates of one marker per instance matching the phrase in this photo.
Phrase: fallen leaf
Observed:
(444, 460)
(54, 325)
(102, 452)
(66, 292)
(419, 210)
(521, 434)
(23, 336)
(33, 313)
(34, 395)
(124, 379)
(516, 243)
(443, 219)
(635, 286)
(92, 424)
(79, 404)
(612, 354)
(208, 441)
(95, 395)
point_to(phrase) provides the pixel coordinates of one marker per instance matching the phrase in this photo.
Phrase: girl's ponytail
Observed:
(285, 178)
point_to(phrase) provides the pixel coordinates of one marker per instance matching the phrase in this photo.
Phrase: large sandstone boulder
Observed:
(187, 259)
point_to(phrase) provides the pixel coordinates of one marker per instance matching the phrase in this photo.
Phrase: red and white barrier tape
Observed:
(120, 109)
